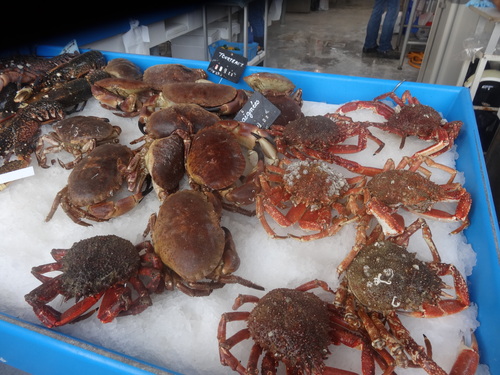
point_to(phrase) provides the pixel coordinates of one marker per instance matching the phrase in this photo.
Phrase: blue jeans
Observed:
(373, 27)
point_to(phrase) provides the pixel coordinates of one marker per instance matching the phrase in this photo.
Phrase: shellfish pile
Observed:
(166, 333)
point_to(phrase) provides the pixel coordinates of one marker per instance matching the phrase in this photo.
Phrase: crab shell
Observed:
(161, 74)
(216, 97)
(98, 176)
(187, 235)
(270, 83)
(384, 276)
(215, 158)
(123, 68)
(186, 116)
(165, 163)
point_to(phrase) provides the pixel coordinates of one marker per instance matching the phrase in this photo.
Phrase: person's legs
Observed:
(373, 25)
(385, 42)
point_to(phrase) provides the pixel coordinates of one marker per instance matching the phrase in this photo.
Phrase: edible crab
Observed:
(411, 118)
(396, 187)
(303, 192)
(199, 254)
(158, 75)
(216, 161)
(107, 268)
(385, 279)
(77, 135)
(123, 68)
(93, 181)
(294, 327)
(322, 137)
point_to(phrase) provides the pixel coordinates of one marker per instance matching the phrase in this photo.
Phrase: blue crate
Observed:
(21, 339)
(234, 47)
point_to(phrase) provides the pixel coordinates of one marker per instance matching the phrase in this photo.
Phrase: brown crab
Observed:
(106, 268)
(186, 116)
(279, 90)
(123, 68)
(199, 254)
(322, 137)
(304, 192)
(294, 327)
(77, 135)
(92, 183)
(411, 118)
(159, 75)
(124, 94)
(396, 187)
(215, 161)
(162, 159)
(384, 279)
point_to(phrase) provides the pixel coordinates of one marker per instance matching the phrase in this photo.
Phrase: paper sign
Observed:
(16, 175)
(258, 111)
(227, 64)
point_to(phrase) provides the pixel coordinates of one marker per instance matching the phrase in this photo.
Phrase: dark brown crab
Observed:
(123, 68)
(294, 327)
(199, 254)
(101, 267)
(92, 183)
(382, 279)
(77, 135)
(215, 161)
(159, 75)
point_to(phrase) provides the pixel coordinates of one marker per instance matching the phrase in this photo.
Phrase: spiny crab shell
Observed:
(384, 276)
(313, 182)
(294, 326)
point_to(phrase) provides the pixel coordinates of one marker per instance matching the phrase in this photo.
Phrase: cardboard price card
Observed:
(258, 111)
(227, 64)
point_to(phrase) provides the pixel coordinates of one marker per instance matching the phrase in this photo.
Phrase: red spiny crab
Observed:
(303, 192)
(200, 255)
(158, 75)
(215, 161)
(321, 137)
(384, 279)
(92, 183)
(77, 135)
(411, 118)
(294, 327)
(106, 268)
(397, 187)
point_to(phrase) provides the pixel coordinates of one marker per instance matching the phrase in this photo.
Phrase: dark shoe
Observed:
(390, 54)
(370, 51)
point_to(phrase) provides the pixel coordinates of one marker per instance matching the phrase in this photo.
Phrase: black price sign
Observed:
(258, 111)
(227, 64)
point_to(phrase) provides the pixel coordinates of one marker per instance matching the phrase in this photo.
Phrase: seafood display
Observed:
(324, 189)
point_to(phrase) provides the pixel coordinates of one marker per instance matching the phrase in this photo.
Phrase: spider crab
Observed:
(411, 118)
(294, 327)
(382, 278)
(106, 268)
(303, 192)
(322, 137)
(413, 190)
(199, 254)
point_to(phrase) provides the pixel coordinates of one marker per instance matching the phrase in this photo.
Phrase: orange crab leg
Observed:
(467, 360)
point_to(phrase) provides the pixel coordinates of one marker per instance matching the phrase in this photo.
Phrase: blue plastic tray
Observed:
(20, 340)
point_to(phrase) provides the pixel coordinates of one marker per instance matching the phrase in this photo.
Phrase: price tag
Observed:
(16, 175)
(258, 111)
(227, 64)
